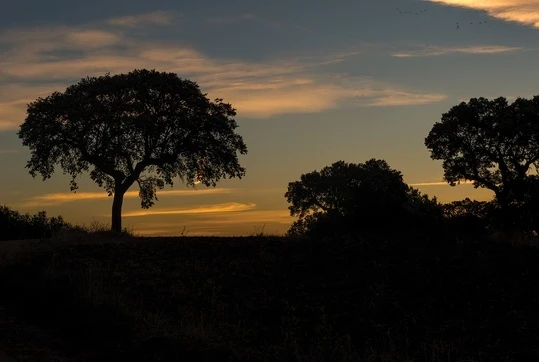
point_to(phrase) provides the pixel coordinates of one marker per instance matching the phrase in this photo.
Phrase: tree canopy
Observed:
(145, 126)
(490, 142)
(363, 196)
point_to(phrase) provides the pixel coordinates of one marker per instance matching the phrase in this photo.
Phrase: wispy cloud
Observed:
(203, 209)
(37, 62)
(473, 49)
(439, 183)
(403, 98)
(252, 216)
(524, 12)
(7, 152)
(14, 99)
(244, 222)
(68, 197)
(93, 38)
(154, 18)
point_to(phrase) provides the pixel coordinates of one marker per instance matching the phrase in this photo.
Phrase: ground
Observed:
(269, 299)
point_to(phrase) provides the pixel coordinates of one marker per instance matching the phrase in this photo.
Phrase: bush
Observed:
(470, 218)
(17, 226)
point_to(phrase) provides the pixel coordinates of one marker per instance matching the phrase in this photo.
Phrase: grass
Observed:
(268, 298)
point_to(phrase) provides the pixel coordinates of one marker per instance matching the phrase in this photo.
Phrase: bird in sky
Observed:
(407, 12)
(403, 12)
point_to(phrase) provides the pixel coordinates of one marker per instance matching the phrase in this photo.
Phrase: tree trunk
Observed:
(117, 211)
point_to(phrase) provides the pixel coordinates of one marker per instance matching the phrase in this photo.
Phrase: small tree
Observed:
(145, 126)
(356, 198)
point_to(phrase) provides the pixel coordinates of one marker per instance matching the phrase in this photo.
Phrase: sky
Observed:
(313, 82)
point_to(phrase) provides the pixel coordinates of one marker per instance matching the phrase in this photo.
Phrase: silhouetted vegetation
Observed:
(359, 199)
(494, 144)
(491, 143)
(16, 226)
(128, 124)
(471, 217)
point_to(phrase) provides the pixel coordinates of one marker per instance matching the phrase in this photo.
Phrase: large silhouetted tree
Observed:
(490, 142)
(357, 198)
(145, 126)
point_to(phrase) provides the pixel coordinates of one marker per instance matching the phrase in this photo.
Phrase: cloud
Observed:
(41, 43)
(93, 38)
(439, 183)
(473, 49)
(67, 197)
(203, 209)
(251, 216)
(218, 224)
(14, 99)
(403, 98)
(47, 59)
(6, 152)
(524, 12)
(292, 98)
(154, 18)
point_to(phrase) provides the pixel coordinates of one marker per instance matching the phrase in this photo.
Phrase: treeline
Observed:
(17, 226)
(371, 198)
(491, 143)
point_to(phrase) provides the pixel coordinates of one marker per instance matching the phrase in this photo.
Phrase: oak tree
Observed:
(144, 127)
(491, 143)
(356, 198)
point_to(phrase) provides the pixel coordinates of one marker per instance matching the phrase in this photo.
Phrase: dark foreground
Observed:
(269, 299)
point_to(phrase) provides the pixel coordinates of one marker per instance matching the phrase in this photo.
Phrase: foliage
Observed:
(145, 126)
(470, 217)
(422, 214)
(490, 142)
(15, 226)
(524, 209)
(358, 198)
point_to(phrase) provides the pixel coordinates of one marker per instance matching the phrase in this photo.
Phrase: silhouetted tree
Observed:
(356, 198)
(467, 207)
(469, 217)
(422, 214)
(145, 126)
(491, 143)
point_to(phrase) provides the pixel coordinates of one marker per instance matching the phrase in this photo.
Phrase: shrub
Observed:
(17, 226)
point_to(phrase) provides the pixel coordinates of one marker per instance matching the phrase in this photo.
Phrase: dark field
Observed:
(269, 299)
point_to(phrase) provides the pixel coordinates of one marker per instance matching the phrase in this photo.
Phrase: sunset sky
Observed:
(313, 82)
